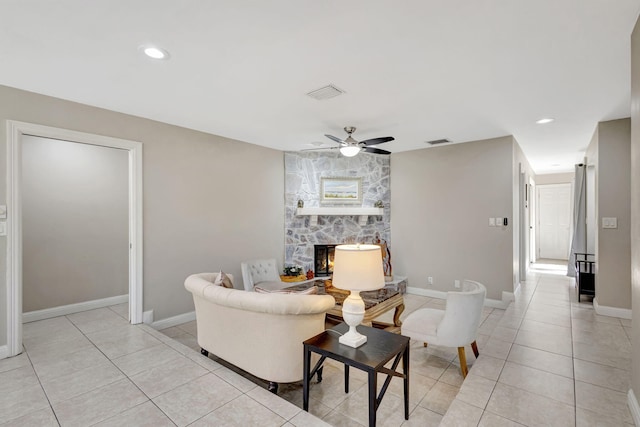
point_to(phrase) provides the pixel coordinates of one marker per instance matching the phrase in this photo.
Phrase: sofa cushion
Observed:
(223, 280)
(311, 291)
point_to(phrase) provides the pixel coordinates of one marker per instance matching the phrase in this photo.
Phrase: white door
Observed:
(554, 220)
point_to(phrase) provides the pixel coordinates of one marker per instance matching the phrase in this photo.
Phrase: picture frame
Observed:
(340, 190)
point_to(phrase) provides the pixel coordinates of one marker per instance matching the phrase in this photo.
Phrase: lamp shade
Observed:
(358, 267)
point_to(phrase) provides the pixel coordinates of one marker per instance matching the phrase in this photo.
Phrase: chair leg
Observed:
(463, 362)
(474, 347)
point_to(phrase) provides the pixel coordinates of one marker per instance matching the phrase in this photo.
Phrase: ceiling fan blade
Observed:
(375, 141)
(334, 138)
(375, 150)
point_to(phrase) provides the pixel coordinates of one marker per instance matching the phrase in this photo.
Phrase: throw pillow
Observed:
(223, 280)
(311, 291)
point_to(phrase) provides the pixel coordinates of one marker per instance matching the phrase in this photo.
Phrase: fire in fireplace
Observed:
(323, 260)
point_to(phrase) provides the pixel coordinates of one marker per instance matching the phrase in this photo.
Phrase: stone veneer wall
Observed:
(302, 181)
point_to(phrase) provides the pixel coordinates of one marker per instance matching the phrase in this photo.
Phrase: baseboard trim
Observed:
(507, 297)
(634, 407)
(4, 352)
(174, 321)
(603, 310)
(64, 310)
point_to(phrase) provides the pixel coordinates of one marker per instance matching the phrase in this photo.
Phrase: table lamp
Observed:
(356, 268)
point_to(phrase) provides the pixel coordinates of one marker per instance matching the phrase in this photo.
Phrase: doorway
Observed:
(16, 131)
(554, 221)
(532, 220)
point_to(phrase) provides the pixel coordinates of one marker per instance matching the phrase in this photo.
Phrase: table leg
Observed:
(346, 378)
(305, 379)
(405, 368)
(373, 388)
(396, 315)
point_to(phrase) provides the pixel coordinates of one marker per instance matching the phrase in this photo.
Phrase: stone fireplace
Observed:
(303, 173)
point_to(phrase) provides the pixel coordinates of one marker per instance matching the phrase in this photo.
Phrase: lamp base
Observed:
(353, 313)
(353, 338)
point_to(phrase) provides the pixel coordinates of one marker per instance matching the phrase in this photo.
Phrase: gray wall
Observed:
(206, 198)
(441, 200)
(75, 228)
(635, 208)
(609, 152)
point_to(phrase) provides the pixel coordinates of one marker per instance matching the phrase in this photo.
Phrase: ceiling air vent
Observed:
(327, 92)
(438, 141)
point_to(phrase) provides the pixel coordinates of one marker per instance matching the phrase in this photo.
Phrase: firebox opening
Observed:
(323, 260)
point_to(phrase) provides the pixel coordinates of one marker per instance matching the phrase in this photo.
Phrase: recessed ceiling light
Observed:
(155, 52)
(544, 120)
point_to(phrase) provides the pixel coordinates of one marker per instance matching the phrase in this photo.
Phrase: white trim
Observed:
(63, 310)
(634, 407)
(603, 310)
(4, 352)
(15, 130)
(507, 297)
(174, 321)
(432, 293)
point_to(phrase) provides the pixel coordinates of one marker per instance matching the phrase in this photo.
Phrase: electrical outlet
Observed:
(456, 283)
(430, 280)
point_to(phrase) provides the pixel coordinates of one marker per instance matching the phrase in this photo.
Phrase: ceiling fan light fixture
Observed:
(349, 150)
(155, 52)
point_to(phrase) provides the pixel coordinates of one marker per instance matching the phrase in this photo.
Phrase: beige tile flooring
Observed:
(546, 360)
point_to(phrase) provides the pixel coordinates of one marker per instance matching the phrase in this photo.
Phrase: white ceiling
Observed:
(417, 70)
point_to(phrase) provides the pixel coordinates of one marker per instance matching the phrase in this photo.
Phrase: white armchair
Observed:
(455, 326)
(263, 272)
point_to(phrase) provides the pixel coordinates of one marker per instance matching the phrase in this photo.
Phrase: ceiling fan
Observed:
(349, 147)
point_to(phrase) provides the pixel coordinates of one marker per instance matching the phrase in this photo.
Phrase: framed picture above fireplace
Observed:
(340, 190)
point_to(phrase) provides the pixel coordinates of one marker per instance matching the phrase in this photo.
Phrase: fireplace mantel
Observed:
(363, 214)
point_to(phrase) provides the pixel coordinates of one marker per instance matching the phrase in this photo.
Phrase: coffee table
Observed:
(375, 303)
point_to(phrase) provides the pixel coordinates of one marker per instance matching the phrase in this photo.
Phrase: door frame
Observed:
(15, 131)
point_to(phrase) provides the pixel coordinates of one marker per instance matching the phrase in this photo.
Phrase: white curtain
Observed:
(579, 241)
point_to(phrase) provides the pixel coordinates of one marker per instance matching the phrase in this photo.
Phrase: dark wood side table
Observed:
(380, 348)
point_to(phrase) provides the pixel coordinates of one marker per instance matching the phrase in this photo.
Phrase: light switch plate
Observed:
(3, 211)
(492, 222)
(3, 228)
(609, 222)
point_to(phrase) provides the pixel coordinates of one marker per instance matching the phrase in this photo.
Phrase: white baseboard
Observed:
(432, 293)
(507, 297)
(174, 321)
(63, 310)
(603, 310)
(147, 317)
(634, 407)
(4, 352)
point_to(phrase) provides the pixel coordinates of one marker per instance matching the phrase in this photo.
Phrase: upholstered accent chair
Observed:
(455, 326)
(263, 272)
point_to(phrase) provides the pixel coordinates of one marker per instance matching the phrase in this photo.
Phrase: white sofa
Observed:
(259, 333)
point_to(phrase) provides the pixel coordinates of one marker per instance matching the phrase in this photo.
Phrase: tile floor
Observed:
(545, 360)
